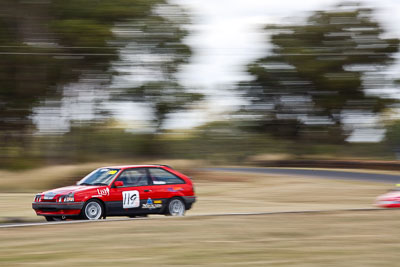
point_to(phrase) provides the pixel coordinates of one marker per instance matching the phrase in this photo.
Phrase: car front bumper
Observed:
(56, 208)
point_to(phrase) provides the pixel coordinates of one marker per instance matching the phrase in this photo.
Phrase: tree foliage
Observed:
(45, 45)
(317, 70)
(164, 98)
(160, 53)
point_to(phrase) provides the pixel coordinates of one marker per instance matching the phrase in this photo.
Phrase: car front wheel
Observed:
(93, 210)
(176, 207)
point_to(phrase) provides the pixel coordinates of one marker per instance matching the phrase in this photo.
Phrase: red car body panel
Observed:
(153, 197)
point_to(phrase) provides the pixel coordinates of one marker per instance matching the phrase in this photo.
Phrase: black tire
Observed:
(175, 207)
(92, 210)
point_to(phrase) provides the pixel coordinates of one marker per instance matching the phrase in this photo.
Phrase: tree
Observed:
(48, 44)
(159, 54)
(164, 98)
(316, 71)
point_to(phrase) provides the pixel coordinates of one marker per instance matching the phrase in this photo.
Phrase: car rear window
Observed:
(161, 176)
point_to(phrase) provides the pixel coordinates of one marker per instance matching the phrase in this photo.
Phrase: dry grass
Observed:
(42, 178)
(331, 239)
(323, 239)
(224, 192)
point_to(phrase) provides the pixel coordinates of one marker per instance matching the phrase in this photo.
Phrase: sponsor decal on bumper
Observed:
(57, 205)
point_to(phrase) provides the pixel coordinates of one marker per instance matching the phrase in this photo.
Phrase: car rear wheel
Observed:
(176, 207)
(93, 210)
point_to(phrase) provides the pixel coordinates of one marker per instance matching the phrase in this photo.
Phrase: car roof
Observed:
(135, 166)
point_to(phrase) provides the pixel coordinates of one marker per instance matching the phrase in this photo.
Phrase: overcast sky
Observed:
(225, 36)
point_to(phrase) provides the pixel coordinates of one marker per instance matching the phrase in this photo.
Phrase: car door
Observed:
(133, 197)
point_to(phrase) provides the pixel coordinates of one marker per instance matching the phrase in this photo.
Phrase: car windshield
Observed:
(102, 176)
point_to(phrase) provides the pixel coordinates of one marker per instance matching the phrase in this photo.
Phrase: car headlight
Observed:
(67, 198)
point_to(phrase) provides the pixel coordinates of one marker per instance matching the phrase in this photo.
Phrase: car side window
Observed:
(134, 177)
(161, 176)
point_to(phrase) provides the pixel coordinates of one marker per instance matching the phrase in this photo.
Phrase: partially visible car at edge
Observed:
(391, 199)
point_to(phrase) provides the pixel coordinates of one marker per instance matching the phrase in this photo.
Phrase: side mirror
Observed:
(118, 183)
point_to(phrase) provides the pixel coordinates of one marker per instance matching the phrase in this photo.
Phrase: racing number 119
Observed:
(131, 199)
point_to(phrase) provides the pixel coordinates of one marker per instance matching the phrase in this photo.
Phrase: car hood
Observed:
(68, 189)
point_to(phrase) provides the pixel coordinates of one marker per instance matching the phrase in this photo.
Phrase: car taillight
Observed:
(37, 198)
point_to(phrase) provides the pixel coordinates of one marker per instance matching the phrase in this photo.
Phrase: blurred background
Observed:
(196, 84)
(132, 80)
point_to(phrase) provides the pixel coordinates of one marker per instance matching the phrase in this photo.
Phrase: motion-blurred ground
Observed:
(356, 238)
(359, 238)
(330, 239)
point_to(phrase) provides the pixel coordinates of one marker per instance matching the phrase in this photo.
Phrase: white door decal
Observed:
(131, 199)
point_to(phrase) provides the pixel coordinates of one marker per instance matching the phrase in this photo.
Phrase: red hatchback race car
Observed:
(135, 190)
